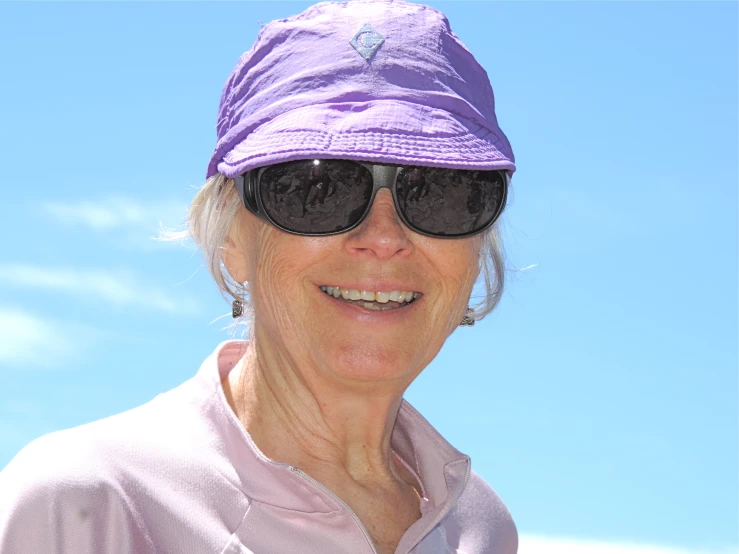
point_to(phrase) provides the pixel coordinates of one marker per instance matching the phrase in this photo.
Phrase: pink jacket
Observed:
(180, 474)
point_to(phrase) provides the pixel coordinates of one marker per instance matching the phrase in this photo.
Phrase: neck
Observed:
(330, 429)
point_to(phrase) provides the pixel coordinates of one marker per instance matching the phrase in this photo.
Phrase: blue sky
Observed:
(599, 400)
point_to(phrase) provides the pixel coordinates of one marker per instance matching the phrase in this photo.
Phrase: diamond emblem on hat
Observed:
(367, 41)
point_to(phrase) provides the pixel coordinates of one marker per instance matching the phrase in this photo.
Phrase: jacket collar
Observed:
(441, 469)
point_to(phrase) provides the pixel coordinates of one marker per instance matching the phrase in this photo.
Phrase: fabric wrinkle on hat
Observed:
(371, 80)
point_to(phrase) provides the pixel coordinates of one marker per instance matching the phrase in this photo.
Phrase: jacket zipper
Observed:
(341, 502)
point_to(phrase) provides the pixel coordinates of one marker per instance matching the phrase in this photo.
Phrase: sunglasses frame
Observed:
(383, 175)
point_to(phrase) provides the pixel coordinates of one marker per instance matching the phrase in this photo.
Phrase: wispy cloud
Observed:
(531, 544)
(29, 341)
(128, 223)
(117, 288)
(116, 213)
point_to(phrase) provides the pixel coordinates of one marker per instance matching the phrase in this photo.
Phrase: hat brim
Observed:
(380, 131)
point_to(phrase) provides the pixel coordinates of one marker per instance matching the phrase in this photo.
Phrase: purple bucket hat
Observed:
(384, 81)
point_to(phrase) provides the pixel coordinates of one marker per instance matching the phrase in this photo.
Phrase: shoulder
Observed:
(59, 493)
(86, 484)
(482, 522)
(58, 463)
(108, 449)
(154, 440)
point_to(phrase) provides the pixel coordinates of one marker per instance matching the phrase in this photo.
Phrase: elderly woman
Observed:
(349, 209)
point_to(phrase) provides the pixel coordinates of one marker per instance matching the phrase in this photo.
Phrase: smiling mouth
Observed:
(381, 302)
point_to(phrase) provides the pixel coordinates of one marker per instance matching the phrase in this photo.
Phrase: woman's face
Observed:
(285, 273)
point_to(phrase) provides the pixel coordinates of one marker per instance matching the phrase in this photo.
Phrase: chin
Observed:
(368, 362)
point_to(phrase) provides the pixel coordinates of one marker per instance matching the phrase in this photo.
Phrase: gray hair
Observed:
(214, 209)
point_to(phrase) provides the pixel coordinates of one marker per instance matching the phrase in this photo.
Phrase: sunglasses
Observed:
(326, 197)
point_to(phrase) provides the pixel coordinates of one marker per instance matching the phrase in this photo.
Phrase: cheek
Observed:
(278, 270)
(459, 263)
(282, 264)
(458, 266)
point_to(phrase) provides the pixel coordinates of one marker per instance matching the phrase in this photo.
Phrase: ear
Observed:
(234, 255)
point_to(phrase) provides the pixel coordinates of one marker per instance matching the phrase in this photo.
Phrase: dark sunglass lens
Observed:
(450, 202)
(316, 196)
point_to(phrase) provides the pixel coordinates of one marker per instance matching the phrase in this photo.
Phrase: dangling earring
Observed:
(237, 306)
(469, 318)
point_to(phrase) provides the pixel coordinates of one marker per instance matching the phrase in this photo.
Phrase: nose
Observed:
(382, 233)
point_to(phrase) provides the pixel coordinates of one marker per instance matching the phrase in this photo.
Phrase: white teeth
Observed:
(371, 296)
(382, 297)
